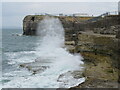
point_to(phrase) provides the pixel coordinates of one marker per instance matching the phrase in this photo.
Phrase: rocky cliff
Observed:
(97, 39)
(70, 24)
(30, 23)
(101, 57)
(100, 46)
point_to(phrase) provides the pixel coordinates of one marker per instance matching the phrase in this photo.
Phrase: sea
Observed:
(47, 49)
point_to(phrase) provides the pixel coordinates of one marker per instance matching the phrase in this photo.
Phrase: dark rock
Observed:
(118, 34)
(34, 67)
(112, 30)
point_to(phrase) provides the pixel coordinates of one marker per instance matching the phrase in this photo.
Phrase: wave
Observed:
(49, 52)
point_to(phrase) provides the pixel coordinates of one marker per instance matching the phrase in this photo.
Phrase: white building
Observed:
(81, 15)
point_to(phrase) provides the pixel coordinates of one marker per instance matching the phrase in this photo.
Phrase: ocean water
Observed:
(47, 50)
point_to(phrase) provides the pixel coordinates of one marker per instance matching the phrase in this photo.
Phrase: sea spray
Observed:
(50, 53)
(51, 32)
(52, 40)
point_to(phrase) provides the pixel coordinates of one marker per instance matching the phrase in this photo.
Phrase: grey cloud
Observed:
(16, 11)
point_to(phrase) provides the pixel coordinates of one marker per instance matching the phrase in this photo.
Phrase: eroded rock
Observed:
(34, 67)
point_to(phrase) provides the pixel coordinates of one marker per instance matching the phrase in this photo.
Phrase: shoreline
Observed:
(99, 75)
(100, 60)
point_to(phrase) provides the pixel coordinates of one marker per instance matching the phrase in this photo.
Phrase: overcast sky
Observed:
(14, 12)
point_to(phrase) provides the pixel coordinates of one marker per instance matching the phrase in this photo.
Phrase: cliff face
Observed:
(30, 24)
(105, 38)
(97, 39)
(97, 44)
(101, 56)
(70, 24)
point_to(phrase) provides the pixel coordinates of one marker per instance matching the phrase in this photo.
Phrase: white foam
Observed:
(21, 57)
(49, 47)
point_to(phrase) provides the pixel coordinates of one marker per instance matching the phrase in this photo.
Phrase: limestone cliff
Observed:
(70, 24)
(96, 38)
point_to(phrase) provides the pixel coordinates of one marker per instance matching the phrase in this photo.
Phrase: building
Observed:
(61, 14)
(80, 15)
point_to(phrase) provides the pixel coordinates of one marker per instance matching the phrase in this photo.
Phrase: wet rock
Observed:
(74, 74)
(70, 48)
(34, 67)
(98, 83)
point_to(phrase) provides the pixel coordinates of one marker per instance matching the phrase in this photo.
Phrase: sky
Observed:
(13, 13)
